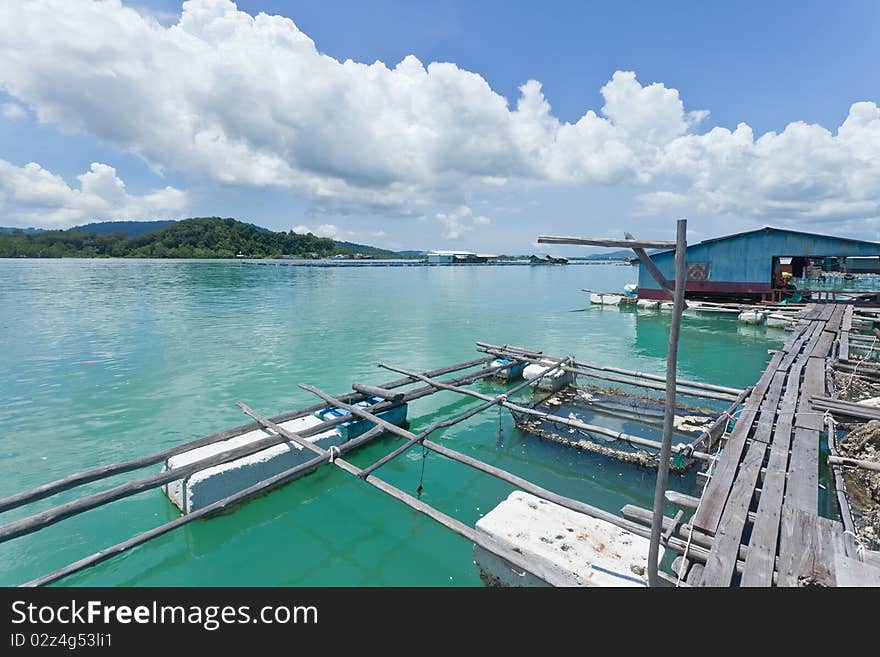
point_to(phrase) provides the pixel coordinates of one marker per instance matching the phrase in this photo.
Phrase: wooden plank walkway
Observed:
(777, 433)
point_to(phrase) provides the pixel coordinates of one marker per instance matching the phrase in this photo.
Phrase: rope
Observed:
(687, 547)
(861, 360)
(421, 488)
(861, 548)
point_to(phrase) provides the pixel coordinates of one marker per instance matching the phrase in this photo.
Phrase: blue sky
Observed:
(320, 149)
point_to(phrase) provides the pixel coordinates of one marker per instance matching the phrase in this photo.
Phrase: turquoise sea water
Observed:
(104, 360)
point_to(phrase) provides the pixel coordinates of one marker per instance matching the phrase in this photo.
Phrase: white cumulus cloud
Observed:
(250, 100)
(33, 196)
(324, 230)
(460, 221)
(12, 111)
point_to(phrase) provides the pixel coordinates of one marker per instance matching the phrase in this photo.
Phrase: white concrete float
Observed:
(578, 549)
(553, 381)
(212, 484)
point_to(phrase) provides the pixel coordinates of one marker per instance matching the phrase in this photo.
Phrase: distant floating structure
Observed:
(458, 257)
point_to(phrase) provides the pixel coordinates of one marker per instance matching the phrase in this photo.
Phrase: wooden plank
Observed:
(803, 472)
(606, 241)
(823, 345)
(794, 352)
(846, 324)
(810, 312)
(715, 496)
(761, 556)
(836, 319)
(722, 557)
(813, 385)
(852, 572)
(843, 347)
(826, 313)
(807, 549)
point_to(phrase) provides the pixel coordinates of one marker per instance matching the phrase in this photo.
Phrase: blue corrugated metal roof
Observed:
(771, 229)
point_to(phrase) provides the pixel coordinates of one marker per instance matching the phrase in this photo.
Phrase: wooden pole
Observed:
(536, 568)
(497, 472)
(840, 488)
(393, 396)
(51, 516)
(482, 407)
(856, 463)
(525, 410)
(607, 241)
(504, 351)
(669, 418)
(105, 471)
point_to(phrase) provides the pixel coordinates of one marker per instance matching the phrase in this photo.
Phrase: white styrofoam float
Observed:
(212, 484)
(577, 549)
(648, 304)
(553, 381)
(779, 320)
(752, 316)
(606, 299)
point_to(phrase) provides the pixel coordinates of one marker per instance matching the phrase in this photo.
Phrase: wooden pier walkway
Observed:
(759, 510)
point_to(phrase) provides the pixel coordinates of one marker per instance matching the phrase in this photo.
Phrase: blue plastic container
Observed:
(354, 428)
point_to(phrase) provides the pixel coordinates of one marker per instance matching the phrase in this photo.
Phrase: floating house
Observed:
(458, 257)
(748, 265)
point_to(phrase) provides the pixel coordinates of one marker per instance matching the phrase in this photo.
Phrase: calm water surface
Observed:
(104, 360)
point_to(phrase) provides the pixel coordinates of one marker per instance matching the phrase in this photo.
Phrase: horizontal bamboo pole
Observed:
(524, 410)
(285, 477)
(372, 391)
(496, 472)
(676, 544)
(607, 241)
(858, 463)
(51, 516)
(485, 541)
(489, 403)
(486, 347)
(632, 382)
(105, 471)
(684, 387)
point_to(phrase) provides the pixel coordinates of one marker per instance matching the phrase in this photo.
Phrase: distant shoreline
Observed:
(303, 262)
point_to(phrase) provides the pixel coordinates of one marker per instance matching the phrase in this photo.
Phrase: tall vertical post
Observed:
(669, 411)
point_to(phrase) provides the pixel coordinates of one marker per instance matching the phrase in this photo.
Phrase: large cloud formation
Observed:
(249, 100)
(33, 196)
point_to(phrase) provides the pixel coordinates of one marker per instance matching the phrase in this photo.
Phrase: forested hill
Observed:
(206, 237)
(130, 228)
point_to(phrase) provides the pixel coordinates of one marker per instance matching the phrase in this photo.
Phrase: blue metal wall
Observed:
(748, 258)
